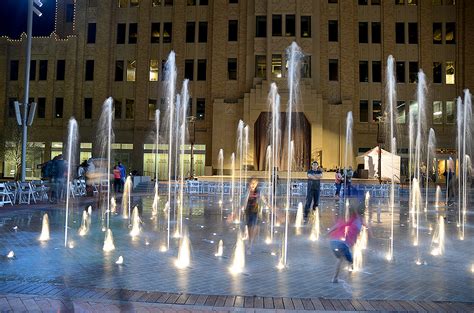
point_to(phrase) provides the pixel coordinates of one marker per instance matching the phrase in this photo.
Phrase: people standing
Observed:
(344, 235)
(338, 181)
(251, 212)
(117, 178)
(314, 187)
(123, 175)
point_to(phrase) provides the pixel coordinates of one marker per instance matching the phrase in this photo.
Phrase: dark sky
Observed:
(13, 18)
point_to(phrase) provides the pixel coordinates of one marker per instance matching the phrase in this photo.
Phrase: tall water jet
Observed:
(299, 216)
(416, 203)
(182, 133)
(45, 228)
(268, 169)
(367, 207)
(235, 215)
(220, 160)
(275, 144)
(437, 197)
(220, 248)
(348, 147)
(105, 139)
(466, 149)
(316, 229)
(156, 198)
(437, 244)
(71, 152)
(109, 241)
(358, 257)
(170, 87)
(113, 205)
(135, 223)
(126, 198)
(240, 155)
(84, 229)
(238, 259)
(420, 121)
(245, 156)
(184, 252)
(284, 247)
(294, 56)
(430, 154)
(411, 157)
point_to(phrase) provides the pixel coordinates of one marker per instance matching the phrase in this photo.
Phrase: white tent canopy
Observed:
(390, 164)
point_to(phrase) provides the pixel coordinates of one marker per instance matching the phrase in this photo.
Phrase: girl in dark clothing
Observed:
(251, 211)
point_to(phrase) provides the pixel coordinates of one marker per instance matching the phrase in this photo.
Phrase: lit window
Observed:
(376, 110)
(437, 112)
(154, 66)
(437, 33)
(450, 33)
(260, 66)
(401, 112)
(450, 112)
(306, 67)
(276, 65)
(152, 107)
(131, 70)
(122, 3)
(450, 73)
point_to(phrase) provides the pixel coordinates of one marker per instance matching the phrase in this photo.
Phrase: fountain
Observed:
(45, 228)
(438, 238)
(135, 223)
(431, 151)
(240, 155)
(220, 248)
(71, 148)
(416, 203)
(235, 215)
(84, 229)
(113, 205)
(157, 141)
(348, 148)
(184, 253)
(238, 259)
(109, 241)
(437, 197)
(299, 216)
(315, 230)
(220, 160)
(119, 260)
(463, 157)
(126, 198)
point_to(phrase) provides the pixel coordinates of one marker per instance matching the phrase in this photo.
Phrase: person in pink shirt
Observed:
(344, 235)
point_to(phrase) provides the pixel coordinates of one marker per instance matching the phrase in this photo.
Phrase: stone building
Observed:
(231, 50)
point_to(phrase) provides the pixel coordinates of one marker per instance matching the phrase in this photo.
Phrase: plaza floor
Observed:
(412, 279)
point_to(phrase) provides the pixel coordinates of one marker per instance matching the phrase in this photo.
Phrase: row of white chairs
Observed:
(23, 192)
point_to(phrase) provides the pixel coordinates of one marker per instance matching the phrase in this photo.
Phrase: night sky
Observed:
(13, 18)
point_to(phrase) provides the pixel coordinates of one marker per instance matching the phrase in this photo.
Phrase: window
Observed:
(333, 70)
(190, 31)
(363, 71)
(189, 69)
(118, 71)
(156, 3)
(32, 69)
(261, 26)
(189, 110)
(117, 109)
(152, 107)
(129, 103)
(437, 73)
(306, 67)
(413, 33)
(276, 25)
(401, 112)
(436, 2)
(290, 25)
(11, 107)
(122, 3)
(69, 13)
(14, 64)
(191, 2)
(203, 2)
(332, 31)
(131, 70)
(167, 32)
(276, 65)
(58, 108)
(400, 33)
(89, 70)
(155, 33)
(200, 108)
(134, 3)
(202, 32)
(363, 111)
(306, 26)
(233, 30)
(60, 69)
(332, 1)
(437, 33)
(87, 108)
(400, 71)
(41, 107)
(413, 72)
(376, 32)
(260, 66)
(375, 2)
(400, 2)
(168, 2)
(233, 1)
(449, 73)
(91, 31)
(376, 110)
(154, 67)
(363, 2)
(437, 112)
(232, 69)
(201, 70)
(412, 2)
(121, 27)
(363, 32)
(376, 71)
(450, 112)
(43, 69)
(132, 33)
(450, 33)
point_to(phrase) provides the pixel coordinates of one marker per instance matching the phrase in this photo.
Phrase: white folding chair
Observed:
(5, 195)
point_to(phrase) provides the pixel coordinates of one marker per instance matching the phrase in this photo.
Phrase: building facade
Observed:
(231, 51)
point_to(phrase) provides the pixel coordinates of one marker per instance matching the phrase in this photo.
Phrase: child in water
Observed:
(344, 235)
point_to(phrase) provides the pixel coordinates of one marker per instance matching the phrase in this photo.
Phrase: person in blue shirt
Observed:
(123, 175)
(314, 186)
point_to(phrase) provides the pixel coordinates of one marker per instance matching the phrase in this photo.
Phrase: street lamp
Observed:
(26, 119)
